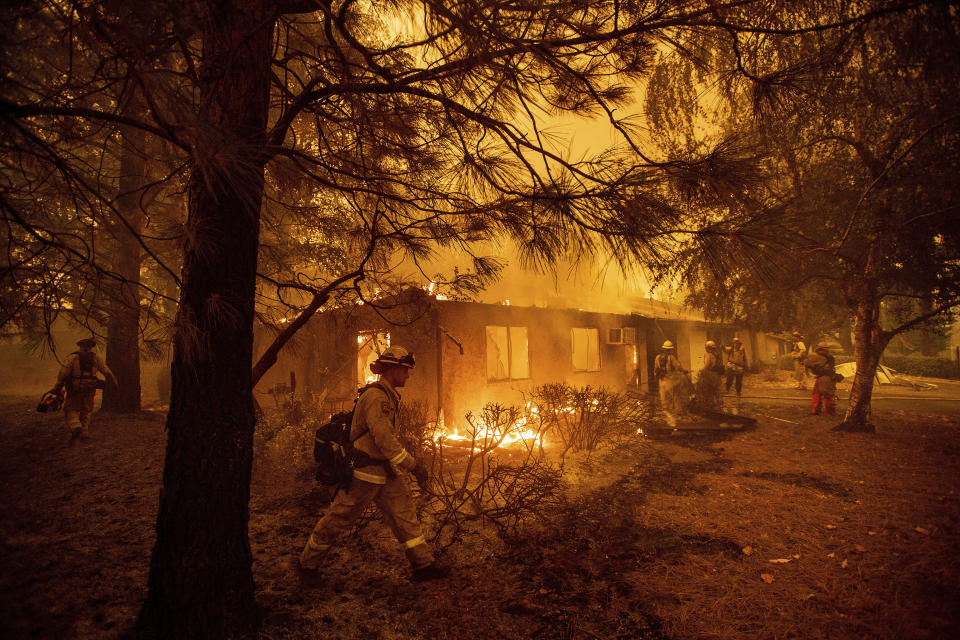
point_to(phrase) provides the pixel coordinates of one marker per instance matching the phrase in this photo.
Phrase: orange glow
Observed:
(489, 437)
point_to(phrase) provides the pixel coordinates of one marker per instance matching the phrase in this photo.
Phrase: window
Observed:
(370, 344)
(586, 349)
(508, 353)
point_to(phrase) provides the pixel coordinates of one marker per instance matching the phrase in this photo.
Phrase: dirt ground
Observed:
(788, 530)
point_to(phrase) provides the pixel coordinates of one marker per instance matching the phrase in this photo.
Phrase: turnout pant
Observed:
(823, 395)
(395, 504)
(735, 379)
(77, 409)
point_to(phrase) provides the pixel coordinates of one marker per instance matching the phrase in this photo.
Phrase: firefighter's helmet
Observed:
(667, 345)
(710, 344)
(396, 355)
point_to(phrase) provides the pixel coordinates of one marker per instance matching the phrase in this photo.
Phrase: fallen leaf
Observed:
(747, 550)
(860, 548)
(543, 591)
(831, 526)
(925, 532)
(844, 564)
(780, 560)
(766, 577)
(796, 557)
(871, 533)
(805, 596)
(831, 555)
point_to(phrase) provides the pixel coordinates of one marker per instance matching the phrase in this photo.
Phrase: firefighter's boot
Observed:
(313, 555)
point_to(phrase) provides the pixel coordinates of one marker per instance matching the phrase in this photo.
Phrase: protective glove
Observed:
(422, 475)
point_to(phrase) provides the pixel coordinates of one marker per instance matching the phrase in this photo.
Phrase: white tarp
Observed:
(885, 375)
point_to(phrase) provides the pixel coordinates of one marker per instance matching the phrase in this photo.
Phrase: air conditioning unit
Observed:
(622, 335)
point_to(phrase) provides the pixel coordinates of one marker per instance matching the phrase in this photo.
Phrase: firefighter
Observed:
(78, 377)
(710, 377)
(736, 366)
(670, 375)
(799, 354)
(375, 479)
(821, 364)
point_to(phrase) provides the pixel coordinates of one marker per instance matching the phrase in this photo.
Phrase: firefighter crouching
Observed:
(78, 376)
(375, 480)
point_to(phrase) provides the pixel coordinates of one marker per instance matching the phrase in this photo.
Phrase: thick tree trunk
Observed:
(123, 327)
(201, 582)
(869, 342)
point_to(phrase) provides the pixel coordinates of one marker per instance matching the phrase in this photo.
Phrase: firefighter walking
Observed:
(670, 376)
(78, 377)
(375, 479)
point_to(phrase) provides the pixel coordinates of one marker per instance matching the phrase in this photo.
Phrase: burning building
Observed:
(472, 353)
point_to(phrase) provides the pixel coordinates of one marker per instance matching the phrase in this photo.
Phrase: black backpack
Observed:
(333, 449)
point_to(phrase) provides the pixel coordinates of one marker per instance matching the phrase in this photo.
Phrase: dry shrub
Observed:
(475, 484)
(583, 418)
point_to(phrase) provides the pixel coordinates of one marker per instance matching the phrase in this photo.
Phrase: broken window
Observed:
(586, 349)
(508, 354)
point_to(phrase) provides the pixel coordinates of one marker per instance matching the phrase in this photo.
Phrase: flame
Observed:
(485, 435)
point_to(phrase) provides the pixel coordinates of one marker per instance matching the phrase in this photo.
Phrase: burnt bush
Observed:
(477, 484)
(583, 418)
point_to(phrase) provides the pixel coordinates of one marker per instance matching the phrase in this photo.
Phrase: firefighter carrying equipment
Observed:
(333, 449)
(81, 378)
(50, 402)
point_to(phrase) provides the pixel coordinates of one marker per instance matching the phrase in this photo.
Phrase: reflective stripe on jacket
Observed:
(374, 430)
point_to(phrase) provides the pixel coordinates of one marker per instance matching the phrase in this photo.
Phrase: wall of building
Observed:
(465, 384)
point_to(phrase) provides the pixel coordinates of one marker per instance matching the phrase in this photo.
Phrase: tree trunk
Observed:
(869, 342)
(123, 327)
(201, 581)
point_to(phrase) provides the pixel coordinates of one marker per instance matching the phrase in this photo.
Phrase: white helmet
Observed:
(667, 345)
(396, 355)
(710, 343)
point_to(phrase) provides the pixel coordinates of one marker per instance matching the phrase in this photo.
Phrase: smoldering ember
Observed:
(447, 319)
